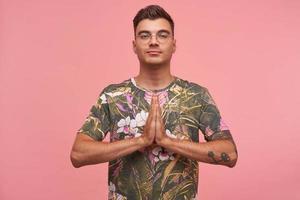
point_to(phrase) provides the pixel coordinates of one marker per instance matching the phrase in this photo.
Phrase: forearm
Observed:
(89, 152)
(221, 152)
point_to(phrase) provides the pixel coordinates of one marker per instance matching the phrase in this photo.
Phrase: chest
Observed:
(130, 111)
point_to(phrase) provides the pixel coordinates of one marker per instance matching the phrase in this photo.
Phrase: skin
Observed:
(222, 151)
(154, 71)
(154, 74)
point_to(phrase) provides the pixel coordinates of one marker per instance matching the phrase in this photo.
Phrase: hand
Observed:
(148, 135)
(160, 131)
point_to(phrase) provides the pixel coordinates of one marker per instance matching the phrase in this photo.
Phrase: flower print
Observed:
(120, 106)
(113, 94)
(119, 91)
(129, 97)
(162, 97)
(208, 131)
(222, 127)
(162, 154)
(103, 98)
(112, 187)
(168, 133)
(176, 89)
(117, 170)
(148, 96)
(113, 195)
(128, 127)
(124, 125)
(141, 118)
(171, 135)
(120, 197)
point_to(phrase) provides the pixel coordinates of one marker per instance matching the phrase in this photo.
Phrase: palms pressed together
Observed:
(154, 131)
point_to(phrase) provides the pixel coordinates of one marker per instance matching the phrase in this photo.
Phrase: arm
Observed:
(220, 152)
(219, 149)
(87, 151)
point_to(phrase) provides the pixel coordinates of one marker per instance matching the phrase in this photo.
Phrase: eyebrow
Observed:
(161, 30)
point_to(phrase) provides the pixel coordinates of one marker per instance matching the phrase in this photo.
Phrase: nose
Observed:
(153, 39)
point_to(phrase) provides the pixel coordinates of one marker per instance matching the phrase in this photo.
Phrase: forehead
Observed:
(153, 25)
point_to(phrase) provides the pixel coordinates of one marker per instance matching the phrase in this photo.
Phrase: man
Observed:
(154, 121)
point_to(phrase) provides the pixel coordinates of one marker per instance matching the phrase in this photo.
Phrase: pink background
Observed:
(56, 56)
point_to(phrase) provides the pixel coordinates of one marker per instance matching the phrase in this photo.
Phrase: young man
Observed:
(154, 121)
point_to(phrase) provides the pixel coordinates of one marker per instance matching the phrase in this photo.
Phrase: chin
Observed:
(154, 61)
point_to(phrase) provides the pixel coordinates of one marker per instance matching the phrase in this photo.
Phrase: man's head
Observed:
(154, 31)
(152, 12)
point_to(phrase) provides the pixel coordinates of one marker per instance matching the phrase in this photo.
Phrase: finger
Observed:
(152, 103)
(155, 106)
(158, 108)
(152, 109)
(159, 116)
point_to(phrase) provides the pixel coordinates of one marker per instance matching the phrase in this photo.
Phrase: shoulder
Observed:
(190, 86)
(199, 91)
(115, 89)
(117, 86)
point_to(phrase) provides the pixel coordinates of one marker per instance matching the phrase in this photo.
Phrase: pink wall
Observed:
(56, 56)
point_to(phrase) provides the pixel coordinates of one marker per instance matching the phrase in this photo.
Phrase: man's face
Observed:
(158, 48)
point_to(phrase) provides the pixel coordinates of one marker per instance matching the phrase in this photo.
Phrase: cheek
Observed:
(168, 51)
(140, 53)
(139, 50)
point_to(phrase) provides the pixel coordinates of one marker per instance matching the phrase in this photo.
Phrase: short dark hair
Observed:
(152, 12)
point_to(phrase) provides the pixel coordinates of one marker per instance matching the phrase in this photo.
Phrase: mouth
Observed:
(153, 52)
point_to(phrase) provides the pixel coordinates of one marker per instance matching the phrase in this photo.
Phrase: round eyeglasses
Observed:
(161, 37)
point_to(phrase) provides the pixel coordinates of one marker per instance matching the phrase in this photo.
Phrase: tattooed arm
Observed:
(220, 147)
(221, 151)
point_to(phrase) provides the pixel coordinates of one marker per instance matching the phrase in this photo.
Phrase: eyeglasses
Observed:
(161, 37)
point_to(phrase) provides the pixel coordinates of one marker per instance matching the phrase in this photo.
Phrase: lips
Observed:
(153, 52)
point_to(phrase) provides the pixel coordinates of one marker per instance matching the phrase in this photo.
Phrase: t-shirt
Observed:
(154, 173)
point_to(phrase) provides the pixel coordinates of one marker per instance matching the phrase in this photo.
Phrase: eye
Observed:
(163, 35)
(144, 36)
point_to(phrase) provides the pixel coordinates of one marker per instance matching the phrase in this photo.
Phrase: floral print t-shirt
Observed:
(153, 173)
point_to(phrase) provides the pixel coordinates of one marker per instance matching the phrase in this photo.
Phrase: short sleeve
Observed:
(98, 122)
(211, 123)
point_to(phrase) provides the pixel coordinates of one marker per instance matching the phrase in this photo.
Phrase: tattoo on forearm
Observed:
(212, 156)
(224, 157)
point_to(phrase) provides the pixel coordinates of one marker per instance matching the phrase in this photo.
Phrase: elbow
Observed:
(233, 156)
(233, 160)
(232, 164)
(75, 159)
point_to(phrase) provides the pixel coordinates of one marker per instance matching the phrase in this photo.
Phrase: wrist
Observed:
(143, 141)
(164, 142)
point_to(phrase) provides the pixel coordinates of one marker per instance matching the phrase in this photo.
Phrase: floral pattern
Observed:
(162, 154)
(154, 172)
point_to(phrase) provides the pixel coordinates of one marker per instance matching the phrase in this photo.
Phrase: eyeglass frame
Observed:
(170, 35)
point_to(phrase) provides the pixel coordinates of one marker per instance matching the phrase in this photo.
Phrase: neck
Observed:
(154, 77)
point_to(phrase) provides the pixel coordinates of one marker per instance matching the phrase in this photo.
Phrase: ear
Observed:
(134, 46)
(174, 46)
